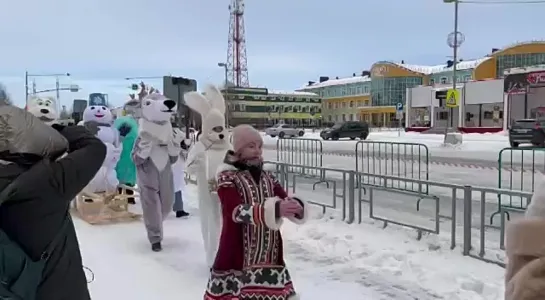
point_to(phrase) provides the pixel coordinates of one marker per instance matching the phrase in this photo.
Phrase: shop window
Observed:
(443, 80)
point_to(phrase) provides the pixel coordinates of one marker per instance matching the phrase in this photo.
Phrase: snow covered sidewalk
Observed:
(327, 258)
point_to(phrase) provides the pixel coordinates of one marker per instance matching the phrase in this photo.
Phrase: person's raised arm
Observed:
(85, 156)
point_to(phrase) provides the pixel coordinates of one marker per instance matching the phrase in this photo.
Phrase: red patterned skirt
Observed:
(257, 283)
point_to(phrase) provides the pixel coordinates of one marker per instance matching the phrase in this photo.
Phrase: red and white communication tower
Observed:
(237, 62)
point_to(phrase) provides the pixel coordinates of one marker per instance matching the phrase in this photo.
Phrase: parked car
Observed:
(527, 131)
(351, 129)
(284, 130)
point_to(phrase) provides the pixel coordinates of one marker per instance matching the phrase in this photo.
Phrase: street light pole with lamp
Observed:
(225, 86)
(454, 40)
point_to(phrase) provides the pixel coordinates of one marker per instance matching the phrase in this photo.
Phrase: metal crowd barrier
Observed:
(517, 169)
(463, 216)
(301, 153)
(405, 160)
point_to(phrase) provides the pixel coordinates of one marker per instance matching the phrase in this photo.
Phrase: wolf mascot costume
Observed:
(203, 160)
(156, 148)
(106, 178)
(125, 168)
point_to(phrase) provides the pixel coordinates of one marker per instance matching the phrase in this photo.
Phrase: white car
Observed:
(284, 130)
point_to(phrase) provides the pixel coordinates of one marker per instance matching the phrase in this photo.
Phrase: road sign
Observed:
(453, 98)
(399, 115)
(399, 106)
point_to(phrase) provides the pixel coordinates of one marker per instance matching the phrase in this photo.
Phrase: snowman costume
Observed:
(203, 160)
(106, 178)
(156, 148)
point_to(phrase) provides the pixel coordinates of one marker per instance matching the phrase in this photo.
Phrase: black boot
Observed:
(131, 200)
(156, 247)
(182, 214)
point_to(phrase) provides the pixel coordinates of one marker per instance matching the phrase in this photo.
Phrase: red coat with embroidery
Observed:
(234, 189)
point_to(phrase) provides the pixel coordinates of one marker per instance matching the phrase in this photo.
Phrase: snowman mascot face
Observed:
(103, 116)
(43, 108)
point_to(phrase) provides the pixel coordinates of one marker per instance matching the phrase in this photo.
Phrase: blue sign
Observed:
(399, 106)
(97, 99)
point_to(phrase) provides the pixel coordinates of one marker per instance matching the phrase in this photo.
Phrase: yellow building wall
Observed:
(485, 70)
(530, 48)
(363, 99)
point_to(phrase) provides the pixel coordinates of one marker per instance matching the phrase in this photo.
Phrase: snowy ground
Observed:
(327, 258)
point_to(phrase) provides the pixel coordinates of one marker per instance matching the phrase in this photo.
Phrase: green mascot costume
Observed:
(126, 170)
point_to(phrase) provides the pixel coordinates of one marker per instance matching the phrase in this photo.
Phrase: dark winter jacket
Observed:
(34, 214)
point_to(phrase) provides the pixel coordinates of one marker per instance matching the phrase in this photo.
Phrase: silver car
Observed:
(284, 130)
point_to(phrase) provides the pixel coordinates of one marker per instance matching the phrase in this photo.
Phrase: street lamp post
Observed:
(454, 40)
(224, 66)
(57, 85)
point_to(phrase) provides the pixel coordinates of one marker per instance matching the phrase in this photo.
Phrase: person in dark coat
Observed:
(36, 210)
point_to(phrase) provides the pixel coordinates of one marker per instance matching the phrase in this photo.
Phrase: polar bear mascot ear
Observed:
(211, 106)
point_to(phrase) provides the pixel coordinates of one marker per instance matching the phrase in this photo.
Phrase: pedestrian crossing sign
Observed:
(453, 98)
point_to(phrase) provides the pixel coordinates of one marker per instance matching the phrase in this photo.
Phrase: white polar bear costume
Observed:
(44, 109)
(203, 160)
(106, 178)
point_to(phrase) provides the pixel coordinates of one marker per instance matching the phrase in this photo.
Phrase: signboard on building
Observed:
(519, 83)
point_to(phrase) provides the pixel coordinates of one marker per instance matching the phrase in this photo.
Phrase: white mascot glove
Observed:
(144, 148)
(174, 147)
(536, 209)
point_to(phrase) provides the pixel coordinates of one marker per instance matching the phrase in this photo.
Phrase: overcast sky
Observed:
(100, 42)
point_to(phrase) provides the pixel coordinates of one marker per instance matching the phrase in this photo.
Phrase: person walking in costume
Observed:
(525, 249)
(179, 181)
(156, 148)
(125, 168)
(249, 264)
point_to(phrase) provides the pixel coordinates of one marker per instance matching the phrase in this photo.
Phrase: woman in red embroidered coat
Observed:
(249, 264)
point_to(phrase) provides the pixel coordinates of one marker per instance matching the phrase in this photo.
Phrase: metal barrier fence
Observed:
(463, 215)
(517, 168)
(302, 153)
(405, 160)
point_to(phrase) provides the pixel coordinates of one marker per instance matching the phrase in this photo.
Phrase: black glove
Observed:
(76, 133)
(183, 145)
(92, 127)
(58, 127)
(124, 129)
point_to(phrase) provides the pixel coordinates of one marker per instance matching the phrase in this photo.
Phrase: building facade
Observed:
(261, 107)
(389, 82)
(485, 106)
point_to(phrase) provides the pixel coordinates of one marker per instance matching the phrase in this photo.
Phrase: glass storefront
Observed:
(388, 91)
(504, 62)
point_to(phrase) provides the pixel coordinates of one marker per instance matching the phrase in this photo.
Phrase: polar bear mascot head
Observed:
(211, 106)
(44, 108)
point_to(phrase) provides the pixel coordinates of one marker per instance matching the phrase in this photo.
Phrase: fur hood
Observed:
(525, 248)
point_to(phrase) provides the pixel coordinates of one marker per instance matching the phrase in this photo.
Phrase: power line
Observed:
(493, 2)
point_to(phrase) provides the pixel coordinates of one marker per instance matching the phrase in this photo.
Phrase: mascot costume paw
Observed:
(156, 148)
(44, 109)
(125, 168)
(106, 178)
(203, 160)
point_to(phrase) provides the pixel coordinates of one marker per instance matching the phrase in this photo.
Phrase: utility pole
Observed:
(454, 40)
